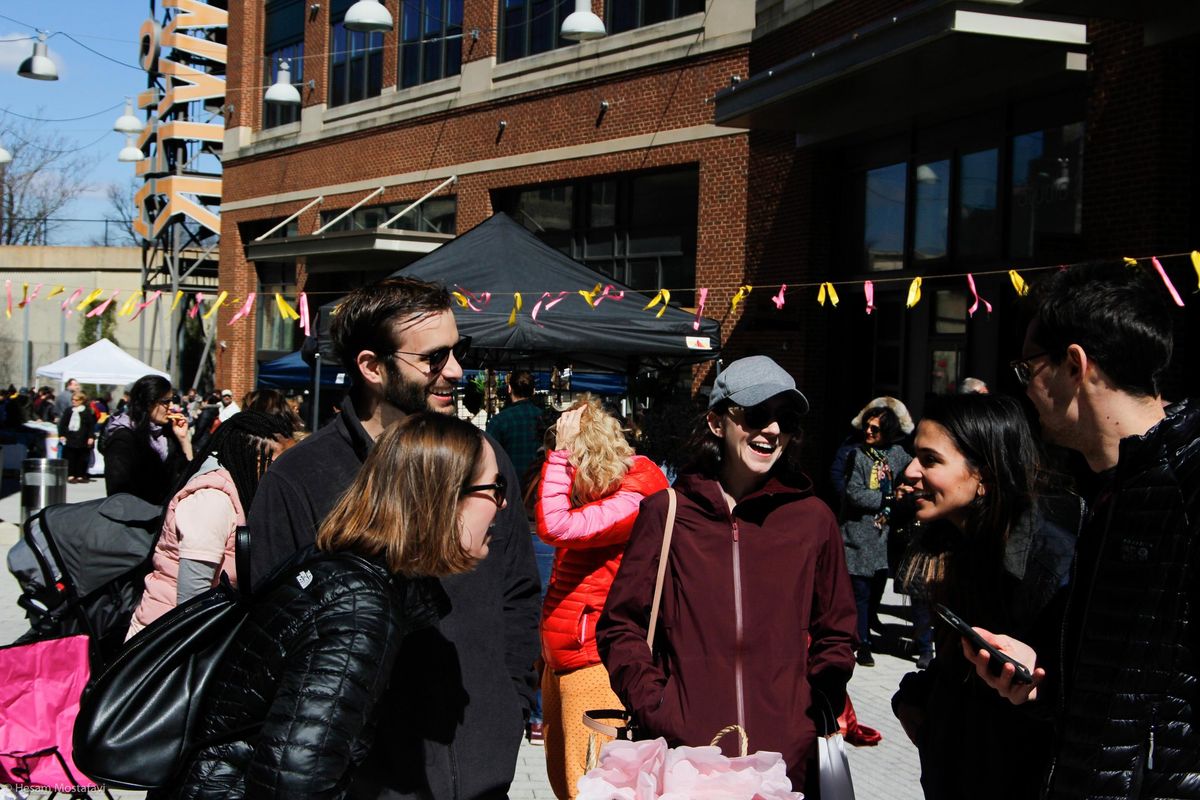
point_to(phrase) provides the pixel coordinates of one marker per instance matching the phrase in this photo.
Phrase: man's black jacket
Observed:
(452, 721)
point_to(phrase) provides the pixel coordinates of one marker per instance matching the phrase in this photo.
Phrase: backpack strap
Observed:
(668, 528)
(241, 559)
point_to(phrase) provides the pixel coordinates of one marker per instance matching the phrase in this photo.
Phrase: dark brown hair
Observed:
(367, 316)
(404, 503)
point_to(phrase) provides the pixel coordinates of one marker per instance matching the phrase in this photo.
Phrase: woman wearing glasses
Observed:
(757, 614)
(146, 448)
(293, 705)
(591, 487)
(867, 508)
(996, 548)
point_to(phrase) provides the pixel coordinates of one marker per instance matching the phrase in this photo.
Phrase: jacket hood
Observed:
(118, 421)
(901, 411)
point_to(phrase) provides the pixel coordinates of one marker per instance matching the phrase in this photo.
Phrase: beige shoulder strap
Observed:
(662, 568)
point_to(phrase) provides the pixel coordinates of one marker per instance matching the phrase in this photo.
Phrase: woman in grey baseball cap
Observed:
(757, 619)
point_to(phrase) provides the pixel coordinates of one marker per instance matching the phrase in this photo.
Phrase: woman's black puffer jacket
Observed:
(293, 705)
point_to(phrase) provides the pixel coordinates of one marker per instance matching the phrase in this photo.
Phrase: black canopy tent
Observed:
(502, 258)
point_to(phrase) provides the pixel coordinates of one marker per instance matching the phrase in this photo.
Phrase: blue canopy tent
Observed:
(290, 372)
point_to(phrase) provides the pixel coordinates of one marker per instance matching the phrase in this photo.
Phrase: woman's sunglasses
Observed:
(499, 490)
(436, 359)
(761, 415)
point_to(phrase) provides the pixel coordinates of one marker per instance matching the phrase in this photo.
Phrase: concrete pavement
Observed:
(888, 771)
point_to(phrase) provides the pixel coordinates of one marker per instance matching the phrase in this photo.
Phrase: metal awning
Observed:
(926, 60)
(1162, 20)
(350, 250)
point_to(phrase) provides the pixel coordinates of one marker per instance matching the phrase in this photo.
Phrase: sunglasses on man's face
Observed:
(1024, 368)
(498, 490)
(436, 359)
(760, 416)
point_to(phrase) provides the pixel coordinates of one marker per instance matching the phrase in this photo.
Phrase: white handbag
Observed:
(834, 767)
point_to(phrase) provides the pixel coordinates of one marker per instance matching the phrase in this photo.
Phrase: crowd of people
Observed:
(426, 592)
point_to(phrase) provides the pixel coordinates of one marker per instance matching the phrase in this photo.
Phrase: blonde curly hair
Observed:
(600, 454)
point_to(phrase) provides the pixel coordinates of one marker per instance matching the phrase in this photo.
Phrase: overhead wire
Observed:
(62, 119)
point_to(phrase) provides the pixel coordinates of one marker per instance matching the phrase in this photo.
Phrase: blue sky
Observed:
(87, 82)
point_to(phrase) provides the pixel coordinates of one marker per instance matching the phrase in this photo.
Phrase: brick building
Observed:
(767, 142)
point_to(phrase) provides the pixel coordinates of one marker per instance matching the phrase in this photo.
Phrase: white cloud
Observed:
(13, 53)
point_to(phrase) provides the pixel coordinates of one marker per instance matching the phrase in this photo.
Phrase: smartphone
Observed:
(997, 659)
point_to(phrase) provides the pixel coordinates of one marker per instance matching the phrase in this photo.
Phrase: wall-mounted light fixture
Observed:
(603, 111)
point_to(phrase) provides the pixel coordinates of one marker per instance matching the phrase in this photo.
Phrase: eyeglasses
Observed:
(1022, 367)
(436, 359)
(165, 402)
(872, 429)
(499, 490)
(760, 416)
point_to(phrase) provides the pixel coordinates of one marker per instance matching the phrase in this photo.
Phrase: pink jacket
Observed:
(589, 540)
(163, 581)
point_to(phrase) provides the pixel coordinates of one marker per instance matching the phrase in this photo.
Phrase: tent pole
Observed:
(208, 337)
(316, 403)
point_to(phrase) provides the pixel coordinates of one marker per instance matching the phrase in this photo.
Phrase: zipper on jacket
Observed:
(737, 615)
(583, 620)
(1153, 725)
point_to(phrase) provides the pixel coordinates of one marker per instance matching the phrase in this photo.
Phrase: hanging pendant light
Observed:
(582, 25)
(282, 92)
(127, 122)
(368, 16)
(130, 152)
(38, 66)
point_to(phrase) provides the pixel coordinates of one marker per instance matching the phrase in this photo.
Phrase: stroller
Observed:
(81, 568)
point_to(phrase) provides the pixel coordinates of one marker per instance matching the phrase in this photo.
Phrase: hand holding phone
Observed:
(996, 659)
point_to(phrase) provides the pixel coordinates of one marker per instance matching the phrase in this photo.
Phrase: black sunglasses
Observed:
(436, 359)
(499, 490)
(1024, 370)
(761, 415)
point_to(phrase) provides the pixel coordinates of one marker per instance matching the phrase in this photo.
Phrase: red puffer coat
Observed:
(590, 540)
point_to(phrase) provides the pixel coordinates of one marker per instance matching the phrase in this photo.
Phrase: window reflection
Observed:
(883, 235)
(1046, 196)
(979, 225)
(932, 210)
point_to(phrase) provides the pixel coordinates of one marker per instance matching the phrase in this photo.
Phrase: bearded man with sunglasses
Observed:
(1127, 678)
(462, 690)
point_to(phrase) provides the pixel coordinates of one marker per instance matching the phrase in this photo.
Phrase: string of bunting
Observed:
(194, 303)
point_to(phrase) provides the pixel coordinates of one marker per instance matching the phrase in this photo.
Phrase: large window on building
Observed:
(284, 39)
(430, 40)
(531, 26)
(625, 15)
(639, 228)
(355, 60)
(435, 215)
(952, 205)
(276, 334)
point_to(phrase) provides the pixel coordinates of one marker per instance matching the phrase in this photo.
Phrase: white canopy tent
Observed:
(102, 363)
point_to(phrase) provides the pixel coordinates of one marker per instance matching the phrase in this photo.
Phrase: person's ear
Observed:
(371, 367)
(716, 423)
(1077, 361)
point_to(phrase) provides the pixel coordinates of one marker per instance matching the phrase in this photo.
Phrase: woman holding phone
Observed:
(995, 547)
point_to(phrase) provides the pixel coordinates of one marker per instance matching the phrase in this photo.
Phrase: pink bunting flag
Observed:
(244, 310)
(100, 309)
(609, 294)
(144, 304)
(975, 293)
(779, 299)
(700, 309)
(476, 302)
(68, 304)
(36, 291)
(195, 309)
(305, 320)
(869, 291)
(1162, 273)
(538, 307)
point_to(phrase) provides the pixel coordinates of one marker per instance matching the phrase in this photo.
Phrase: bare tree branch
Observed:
(47, 173)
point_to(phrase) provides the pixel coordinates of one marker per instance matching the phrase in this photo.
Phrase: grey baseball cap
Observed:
(752, 380)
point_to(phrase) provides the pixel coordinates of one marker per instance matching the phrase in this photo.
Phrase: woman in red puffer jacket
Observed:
(591, 487)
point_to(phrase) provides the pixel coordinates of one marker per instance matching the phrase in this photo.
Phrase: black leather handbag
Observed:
(137, 723)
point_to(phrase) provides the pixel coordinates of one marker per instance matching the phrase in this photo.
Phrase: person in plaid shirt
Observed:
(518, 428)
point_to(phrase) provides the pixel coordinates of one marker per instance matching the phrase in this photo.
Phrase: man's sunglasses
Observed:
(499, 490)
(1024, 369)
(760, 416)
(436, 359)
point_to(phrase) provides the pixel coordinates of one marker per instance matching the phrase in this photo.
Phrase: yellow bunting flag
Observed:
(827, 290)
(130, 305)
(914, 292)
(1130, 262)
(1018, 282)
(664, 297)
(57, 290)
(285, 311)
(216, 304)
(512, 317)
(87, 301)
(175, 303)
(590, 296)
(742, 292)
(1196, 266)
(460, 298)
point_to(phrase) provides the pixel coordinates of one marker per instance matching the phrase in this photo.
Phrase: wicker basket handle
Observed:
(743, 739)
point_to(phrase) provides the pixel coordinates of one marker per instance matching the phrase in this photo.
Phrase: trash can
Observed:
(43, 483)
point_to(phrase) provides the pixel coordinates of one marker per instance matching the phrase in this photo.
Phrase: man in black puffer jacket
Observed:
(1127, 724)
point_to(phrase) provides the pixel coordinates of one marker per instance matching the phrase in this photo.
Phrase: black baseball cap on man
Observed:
(753, 380)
